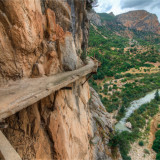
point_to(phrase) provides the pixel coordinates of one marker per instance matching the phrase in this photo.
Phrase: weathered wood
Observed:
(26, 92)
(7, 152)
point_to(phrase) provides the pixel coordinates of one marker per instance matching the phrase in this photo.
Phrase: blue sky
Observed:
(122, 6)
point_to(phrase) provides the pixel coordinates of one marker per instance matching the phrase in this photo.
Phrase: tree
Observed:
(157, 95)
(91, 3)
(158, 156)
(156, 143)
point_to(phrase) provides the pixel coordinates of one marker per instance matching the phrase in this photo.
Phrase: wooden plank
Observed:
(7, 152)
(26, 92)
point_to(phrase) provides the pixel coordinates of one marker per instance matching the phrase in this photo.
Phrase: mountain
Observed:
(140, 20)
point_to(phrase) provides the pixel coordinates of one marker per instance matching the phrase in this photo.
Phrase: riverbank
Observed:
(120, 126)
(140, 120)
(141, 152)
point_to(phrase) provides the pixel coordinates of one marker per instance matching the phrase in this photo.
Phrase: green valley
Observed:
(130, 68)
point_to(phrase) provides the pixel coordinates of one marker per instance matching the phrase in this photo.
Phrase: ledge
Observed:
(23, 93)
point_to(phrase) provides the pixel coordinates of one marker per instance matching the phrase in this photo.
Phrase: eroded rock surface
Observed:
(40, 38)
(94, 18)
(102, 129)
(140, 20)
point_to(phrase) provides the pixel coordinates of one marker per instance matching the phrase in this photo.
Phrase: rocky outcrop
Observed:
(94, 18)
(63, 126)
(57, 127)
(128, 125)
(102, 128)
(40, 38)
(140, 20)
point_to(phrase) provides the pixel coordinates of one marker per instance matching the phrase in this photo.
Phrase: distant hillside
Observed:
(139, 20)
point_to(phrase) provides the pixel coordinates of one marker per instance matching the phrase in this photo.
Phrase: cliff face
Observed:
(140, 20)
(40, 38)
(95, 18)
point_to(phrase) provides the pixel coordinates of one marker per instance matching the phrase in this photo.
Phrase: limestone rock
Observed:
(68, 54)
(94, 18)
(140, 20)
(40, 38)
(128, 125)
(101, 125)
(27, 31)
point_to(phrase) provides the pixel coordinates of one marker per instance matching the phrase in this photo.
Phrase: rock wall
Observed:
(69, 124)
(95, 18)
(41, 38)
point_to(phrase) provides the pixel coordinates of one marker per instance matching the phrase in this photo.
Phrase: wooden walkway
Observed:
(7, 152)
(26, 92)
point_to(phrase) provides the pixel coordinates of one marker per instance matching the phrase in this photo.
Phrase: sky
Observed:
(122, 6)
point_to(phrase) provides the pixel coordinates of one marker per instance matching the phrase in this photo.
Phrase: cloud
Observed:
(135, 3)
(103, 6)
(122, 6)
(156, 5)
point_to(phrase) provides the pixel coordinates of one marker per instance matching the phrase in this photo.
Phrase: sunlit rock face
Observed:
(42, 38)
(140, 20)
(69, 124)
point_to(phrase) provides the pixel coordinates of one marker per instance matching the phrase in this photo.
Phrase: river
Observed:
(120, 126)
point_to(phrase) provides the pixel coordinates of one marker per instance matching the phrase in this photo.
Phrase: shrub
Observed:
(141, 143)
(158, 126)
(146, 151)
(158, 156)
(156, 145)
(110, 88)
(157, 95)
(157, 134)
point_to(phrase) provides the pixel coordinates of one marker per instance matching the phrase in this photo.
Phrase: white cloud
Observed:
(122, 6)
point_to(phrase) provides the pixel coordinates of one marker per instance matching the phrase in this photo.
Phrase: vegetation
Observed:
(128, 92)
(157, 95)
(156, 145)
(138, 121)
(110, 52)
(158, 156)
(146, 151)
(115, 60)
(141, 143)
(106, 17)
(90, 4)
(146, 111)
(127, 73)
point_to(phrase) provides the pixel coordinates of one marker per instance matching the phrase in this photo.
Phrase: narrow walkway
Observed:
(26, 92)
